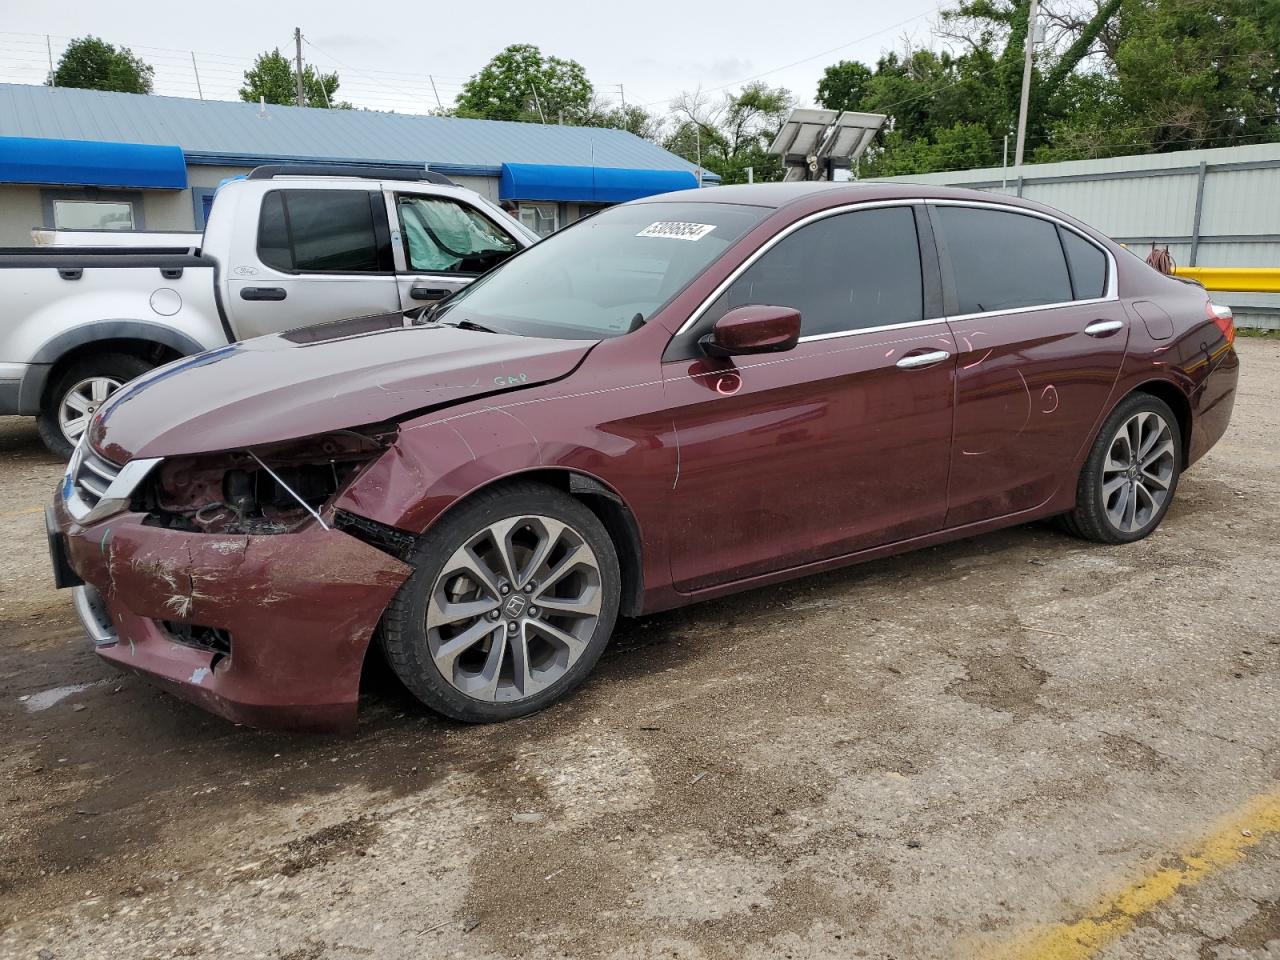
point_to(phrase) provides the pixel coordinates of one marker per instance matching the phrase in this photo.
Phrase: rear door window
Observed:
(843, 273)
(1002, 261)
(323, 231)
(1087, 263)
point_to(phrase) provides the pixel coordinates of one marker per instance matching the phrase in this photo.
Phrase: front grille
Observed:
(90, 476)
(212, 639)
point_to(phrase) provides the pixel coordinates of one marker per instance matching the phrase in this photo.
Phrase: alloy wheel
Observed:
(1138, 472)
(514, 608)
(81, 402)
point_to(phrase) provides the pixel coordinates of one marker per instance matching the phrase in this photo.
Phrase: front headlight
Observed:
(273, 488)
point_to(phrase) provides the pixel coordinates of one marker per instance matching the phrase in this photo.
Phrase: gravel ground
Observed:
(1017, 745)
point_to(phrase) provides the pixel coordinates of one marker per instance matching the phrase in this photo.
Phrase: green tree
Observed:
(632, 118)
(1112, 77)
(93, 64)
(732, 133)
(273, 76)
(520, 83)
(1196, 75)
(843, 85)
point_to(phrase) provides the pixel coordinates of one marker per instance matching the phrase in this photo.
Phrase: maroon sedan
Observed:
(679, 398)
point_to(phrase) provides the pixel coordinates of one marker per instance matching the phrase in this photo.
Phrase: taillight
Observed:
(1223, 319)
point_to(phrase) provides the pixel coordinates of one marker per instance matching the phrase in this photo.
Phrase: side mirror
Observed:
(753, 329)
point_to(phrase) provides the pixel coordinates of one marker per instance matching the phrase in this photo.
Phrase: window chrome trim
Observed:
(907, 325)
(777, 238)
(1113, 284)
(1112, 294)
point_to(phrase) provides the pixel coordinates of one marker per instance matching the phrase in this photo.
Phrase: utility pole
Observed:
(537, 102)
(439, 105)
(297, 38)
(697, 132)
(623, 95)
(48, 45)
(1033, 14)
(195, 69)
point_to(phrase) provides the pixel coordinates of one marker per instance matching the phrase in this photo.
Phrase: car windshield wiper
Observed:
(465, 324)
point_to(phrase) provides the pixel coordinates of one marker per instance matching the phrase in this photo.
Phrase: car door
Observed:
(441, 244)
(323, 254)
(1041, 336)
(839, 444)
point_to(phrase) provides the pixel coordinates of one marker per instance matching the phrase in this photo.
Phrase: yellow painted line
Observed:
(20, 513)
(1239, 279)
(1116, 914)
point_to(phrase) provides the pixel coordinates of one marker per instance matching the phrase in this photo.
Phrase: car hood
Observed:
(316, 379)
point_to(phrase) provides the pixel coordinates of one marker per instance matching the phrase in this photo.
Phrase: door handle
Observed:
(262, 293)
(1103, 328)
(428, 293)
(913, 361)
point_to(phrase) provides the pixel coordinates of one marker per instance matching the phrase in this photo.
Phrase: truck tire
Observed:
(76, 394)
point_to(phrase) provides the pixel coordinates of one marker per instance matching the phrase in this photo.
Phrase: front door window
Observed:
(444, 236)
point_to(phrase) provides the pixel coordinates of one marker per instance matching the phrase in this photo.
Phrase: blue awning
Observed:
(546, 181)
(91, 163)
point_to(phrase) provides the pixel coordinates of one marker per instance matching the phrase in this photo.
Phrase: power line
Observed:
(816, 56)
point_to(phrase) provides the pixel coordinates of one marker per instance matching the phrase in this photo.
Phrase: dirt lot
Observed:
(1019, 745)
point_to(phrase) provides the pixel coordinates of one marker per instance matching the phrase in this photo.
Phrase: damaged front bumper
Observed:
(266, 630)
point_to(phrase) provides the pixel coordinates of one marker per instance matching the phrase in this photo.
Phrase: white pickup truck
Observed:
(283, 248)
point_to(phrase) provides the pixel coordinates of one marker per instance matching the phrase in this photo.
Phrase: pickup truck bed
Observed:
(161, 297)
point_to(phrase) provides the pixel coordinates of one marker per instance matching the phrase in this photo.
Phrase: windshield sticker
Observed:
(676, 230)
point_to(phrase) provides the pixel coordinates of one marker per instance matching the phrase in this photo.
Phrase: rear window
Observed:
(1088, 265)
(321, 231)
(1003, 261)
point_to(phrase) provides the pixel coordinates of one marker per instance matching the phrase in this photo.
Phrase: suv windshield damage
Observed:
(602, 277)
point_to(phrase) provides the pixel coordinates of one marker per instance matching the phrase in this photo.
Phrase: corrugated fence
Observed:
(1213, 208)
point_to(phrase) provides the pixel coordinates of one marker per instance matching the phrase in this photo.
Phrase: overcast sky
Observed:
(385, 52)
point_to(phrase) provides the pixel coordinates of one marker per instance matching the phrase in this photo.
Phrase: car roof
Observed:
(810, 197)
(779, 195)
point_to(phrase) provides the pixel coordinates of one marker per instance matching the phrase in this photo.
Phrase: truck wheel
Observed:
(77, 393)
(513, 598)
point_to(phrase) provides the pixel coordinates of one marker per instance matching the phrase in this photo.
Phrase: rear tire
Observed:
(1128, 483)
(77, 393)
(512, 600)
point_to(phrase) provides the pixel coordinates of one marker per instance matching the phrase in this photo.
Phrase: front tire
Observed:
(77, 393)
(1128, 482)
(513, 599)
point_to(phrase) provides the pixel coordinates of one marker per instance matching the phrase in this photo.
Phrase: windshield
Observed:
(605, 276)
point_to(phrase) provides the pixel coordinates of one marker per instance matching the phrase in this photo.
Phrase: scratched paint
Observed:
(970, 348)
(1049, 399)
(1116, 914)
(198, 675)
